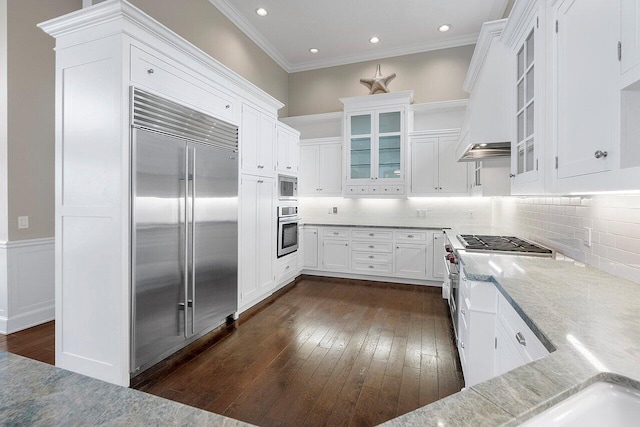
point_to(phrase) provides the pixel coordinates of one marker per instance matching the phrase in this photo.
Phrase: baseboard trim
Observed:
(366, 278)
(27, 320)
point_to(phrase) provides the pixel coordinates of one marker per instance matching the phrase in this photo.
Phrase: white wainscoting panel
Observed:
(27, 286)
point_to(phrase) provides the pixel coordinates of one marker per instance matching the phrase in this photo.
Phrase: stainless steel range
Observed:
(503, 244)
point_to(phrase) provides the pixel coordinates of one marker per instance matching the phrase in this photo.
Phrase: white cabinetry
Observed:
(434, 166)
(401, 255)
(335, 255)
(630, 34)
(478, 304)
(375, 144)
(287, 149)
(438, 255)
(257, 238)
(586, 86)
(310, 247)
(257, 142)
(320, 167)
(101, 52)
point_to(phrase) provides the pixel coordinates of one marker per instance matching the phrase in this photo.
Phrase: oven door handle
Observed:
(289, 220)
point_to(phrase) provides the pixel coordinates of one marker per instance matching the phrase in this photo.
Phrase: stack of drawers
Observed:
(372, 251)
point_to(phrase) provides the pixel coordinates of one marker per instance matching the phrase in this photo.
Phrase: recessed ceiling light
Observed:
(262, 11)
(444, 28)
(314, 50)
(374, 40)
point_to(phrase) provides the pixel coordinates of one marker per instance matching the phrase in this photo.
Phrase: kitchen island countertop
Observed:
(591, 319)
(37, 394)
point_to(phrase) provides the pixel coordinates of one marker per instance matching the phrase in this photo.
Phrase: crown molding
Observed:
(489, 31)
(380, 99)
(497, 9)
(456, 104)
(123, 11)
(228, 9)
(521, 15)
(313, 118)
(437, 132)
(463, 40)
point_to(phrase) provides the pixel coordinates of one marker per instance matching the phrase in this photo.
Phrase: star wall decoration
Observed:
(379, 82)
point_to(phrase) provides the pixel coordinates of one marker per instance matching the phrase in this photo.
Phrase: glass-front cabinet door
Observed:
(360, 146)
(389, 145)
(375, 147)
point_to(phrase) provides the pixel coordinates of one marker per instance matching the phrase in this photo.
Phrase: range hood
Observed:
(486, 150)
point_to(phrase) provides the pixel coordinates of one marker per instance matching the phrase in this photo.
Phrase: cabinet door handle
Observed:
(371, 257)
(260, 166)
(288, 266)
(260, 181)
(371, 234)
(462, 344)
(410, 236)
(288, 167)
(151, 71)
(371, 266)
(600, 154)
(335, 233)
(371, 246)
(521, 339)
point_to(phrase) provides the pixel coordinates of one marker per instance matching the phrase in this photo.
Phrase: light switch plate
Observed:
(23, 222)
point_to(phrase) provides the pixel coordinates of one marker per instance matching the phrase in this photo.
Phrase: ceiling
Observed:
(341, 29)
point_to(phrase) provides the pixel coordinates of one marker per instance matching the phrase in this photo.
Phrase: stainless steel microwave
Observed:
(287, 187)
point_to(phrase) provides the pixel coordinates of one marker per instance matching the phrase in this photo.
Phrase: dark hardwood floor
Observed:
(35, 343)
(327, 352)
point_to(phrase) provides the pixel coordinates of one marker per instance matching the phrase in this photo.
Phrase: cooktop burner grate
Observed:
(501, 244)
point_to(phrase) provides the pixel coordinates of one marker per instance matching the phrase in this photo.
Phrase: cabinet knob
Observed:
(346, 244)
(335, 233)
(462, 344)
(371, 246)
(260, 166)
(463, 312)
(150, 71)
(521, 339)
(371, 266)
(288, 266)
(435, 188)
(371, 257)
(410, 236)
(260, 181)
(371, 234)
(600, 154)
(288, 167)
(512, 175)
(227, 106)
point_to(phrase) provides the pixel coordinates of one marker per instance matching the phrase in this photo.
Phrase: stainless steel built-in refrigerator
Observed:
(184, 226)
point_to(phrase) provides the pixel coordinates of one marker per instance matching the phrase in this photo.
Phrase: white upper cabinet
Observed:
(320, 167)
(375, 143)
(287, 149)
(434, 166)
(630, 34)
(257, 142)
(586, 86)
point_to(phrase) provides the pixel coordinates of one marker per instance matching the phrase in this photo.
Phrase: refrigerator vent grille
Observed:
(161, 115)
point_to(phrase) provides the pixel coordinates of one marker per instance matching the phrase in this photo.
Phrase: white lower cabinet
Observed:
(411, 260)
(310, 247)
(335, 255)
(287, 269)
(406, 255)
(257, 237)
(438, 255)
(492, 337)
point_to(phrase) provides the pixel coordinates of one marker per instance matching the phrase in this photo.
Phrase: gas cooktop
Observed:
(503, 244)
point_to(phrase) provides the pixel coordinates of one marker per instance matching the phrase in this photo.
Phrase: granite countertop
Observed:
(408, 226)
(36, 394)
(590, 317)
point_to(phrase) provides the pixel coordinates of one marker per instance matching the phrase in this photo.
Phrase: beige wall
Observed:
(433, 76)
(31, 65)
(3, 122)
(202, 24)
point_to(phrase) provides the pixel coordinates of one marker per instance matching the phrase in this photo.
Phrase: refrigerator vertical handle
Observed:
(193, 240)
(186, 243)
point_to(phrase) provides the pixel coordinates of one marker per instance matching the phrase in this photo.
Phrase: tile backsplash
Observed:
(563, 222)
(440, 212)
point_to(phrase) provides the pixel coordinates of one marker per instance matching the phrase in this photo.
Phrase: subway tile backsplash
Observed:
(563, 222)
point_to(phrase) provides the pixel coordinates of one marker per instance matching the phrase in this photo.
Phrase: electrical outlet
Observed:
(587, 236)
(23, 222)
(335, 209)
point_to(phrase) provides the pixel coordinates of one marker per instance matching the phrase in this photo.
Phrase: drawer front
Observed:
(392, 189)
(372, 234)
(163, 77)
(336, 232)
(372, 246)
(375, 189)
(372, 268)
(531, 347)
(352, 189)
(411, 235)
(372, 257)
(363, 189)
(288, 266)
